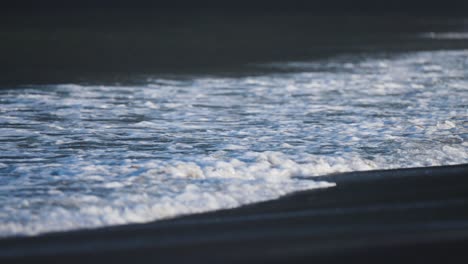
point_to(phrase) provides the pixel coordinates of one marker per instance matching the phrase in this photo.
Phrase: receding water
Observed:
(74, 156)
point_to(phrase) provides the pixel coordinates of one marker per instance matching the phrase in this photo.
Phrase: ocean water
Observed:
(83, 156)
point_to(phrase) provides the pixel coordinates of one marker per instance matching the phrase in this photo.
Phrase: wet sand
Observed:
(405, 216)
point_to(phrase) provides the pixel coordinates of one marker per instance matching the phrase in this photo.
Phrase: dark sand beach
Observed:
(407, 216)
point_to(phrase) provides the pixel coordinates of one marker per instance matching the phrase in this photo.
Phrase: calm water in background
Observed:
(79, 156)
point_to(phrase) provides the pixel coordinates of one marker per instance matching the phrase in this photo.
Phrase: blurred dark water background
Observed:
(113, 41)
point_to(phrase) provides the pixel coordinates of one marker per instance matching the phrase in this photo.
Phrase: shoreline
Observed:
(405, 215)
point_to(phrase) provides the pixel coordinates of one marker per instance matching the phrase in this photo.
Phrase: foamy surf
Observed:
(75, 156)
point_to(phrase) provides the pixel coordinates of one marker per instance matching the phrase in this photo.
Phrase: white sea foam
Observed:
(152, 190)
(446, 35)
(75, 156)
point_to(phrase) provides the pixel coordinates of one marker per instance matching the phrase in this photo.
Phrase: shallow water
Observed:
(75, 156)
